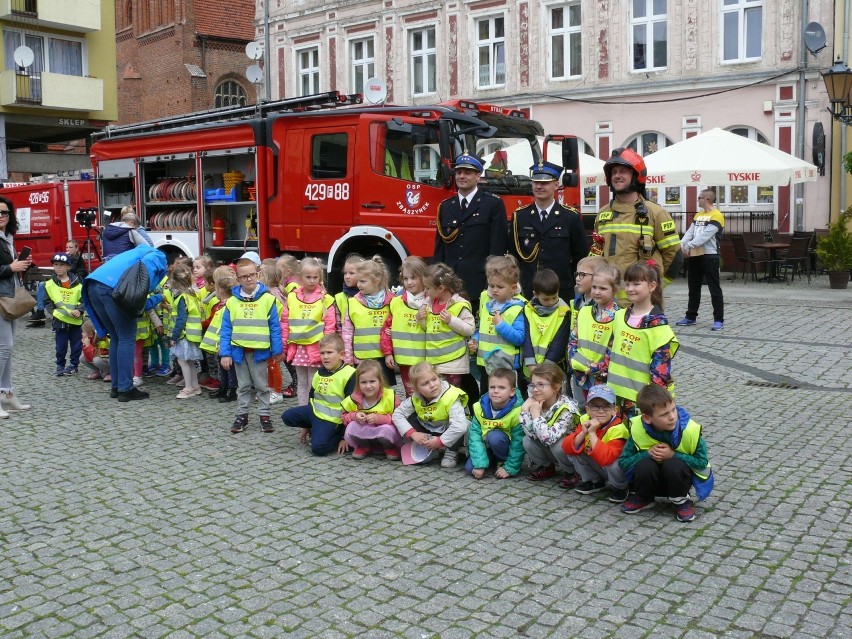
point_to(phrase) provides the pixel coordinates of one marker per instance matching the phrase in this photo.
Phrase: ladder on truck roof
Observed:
(327, 100)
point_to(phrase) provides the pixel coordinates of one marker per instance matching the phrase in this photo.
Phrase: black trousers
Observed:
(700, 269)
(672, 478)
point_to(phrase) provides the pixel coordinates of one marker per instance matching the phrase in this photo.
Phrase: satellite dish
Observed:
(254, 74)
(23, 56)
(254, 50)
(375, 90)
(814, 37)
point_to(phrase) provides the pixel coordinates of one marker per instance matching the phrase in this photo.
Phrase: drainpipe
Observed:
(267, 53)
(799, 191)
(843, 126)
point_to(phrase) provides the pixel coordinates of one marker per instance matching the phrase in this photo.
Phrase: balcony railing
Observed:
(28, 87)
(25, 6)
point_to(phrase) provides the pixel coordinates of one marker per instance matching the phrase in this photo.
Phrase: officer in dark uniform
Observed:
(471, 226)
(546, 234)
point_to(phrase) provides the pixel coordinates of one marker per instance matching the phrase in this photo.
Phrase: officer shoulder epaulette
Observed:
(490, 194)
(521, 208)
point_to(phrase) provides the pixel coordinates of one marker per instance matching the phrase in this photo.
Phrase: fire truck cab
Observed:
(318, 175)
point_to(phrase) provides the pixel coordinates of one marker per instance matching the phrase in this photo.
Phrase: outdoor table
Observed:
(773, 248)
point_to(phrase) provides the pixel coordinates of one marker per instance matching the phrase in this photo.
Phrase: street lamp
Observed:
(838, 84)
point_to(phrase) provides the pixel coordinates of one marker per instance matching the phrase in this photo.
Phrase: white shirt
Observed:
(469, 197)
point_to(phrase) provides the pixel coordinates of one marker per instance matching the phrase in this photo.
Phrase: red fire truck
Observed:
(315, 175)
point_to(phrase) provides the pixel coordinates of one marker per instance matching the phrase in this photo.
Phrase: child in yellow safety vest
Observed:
(270, 276)
(498, 341)
(591, 332)
(432, 419)
(64, 293)
(496, 434)
(367, 415)
(403, 340)
(447, 320)
(547, 318)
(365, 317)
(350, 287)
(642, 344)
(149, 326)
(202, 270)
(321, 420)
(289, 269)
(307, 316)
(227, 390)
(665, 455)
(186, 330)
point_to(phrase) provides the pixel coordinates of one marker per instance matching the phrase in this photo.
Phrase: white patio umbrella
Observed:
(520, 159)
(718, 157)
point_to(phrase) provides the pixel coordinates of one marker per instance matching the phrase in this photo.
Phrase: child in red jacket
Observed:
(596, 445)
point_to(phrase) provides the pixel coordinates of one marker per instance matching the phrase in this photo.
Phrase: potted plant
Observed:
(835, 250)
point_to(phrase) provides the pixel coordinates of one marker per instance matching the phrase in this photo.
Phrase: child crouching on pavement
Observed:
(64, 294)
(367, 415)
(433, 418)
(596, 445)
(495, 434)
(665, 455)
(95, 355)
(321, 419)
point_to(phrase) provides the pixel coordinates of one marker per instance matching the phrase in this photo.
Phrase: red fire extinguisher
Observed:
(219, 229)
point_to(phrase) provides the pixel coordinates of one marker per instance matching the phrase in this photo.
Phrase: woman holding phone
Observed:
(11, 268)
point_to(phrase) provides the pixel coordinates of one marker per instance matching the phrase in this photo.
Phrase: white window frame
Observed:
(366, 63)
(311, 73)
(724, 194)
(45, 48)
(742, 8)
(426, 55)
(648, 22)
(656, 193)
(566, 31)
(494, 44)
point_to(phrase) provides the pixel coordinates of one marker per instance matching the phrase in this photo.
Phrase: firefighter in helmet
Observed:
(631, 228)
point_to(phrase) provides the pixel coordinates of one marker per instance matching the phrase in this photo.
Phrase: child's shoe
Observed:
(392, 454)
(164, 371)
(617, 495)
(360, 453)
(542, 473)
(60, 371)
(266, 424)
(231, 396)
(93, 375)
(186, 393)
(71, 370)
(275, 398)
(589, 487)
(211, 383)
(636, 504)
(107, 378)
(289, 392)
(137, 382)
(685, 512)
(240, 424)
(149, 372)
(569, 481)
(219, 393)
(174, 381)
(450, 459)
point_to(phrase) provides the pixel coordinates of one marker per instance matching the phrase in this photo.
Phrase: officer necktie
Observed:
(543, 214)
(464, 204)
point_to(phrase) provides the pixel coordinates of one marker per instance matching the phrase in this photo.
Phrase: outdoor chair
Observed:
(756, 255)
(798, 257)
(811, 262)
(740, 254)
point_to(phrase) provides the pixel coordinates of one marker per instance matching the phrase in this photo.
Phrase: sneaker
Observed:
(240, 424)
(177, 379)
(289, 392)
(589, 487)
(685, 322)
(60, 371)
(229, 396)
(93, 375)
(113, 393)
(164, 371)
(717, 326)
(186, 393)
(618, 495)
(685, 511)
(571, 480)
(275, 398)
(360, 453)
(266, 424)
(636, 504)
(210, 383)
(392, 454)
(131, 395)
(540, 474)
(450, 459)
(149, 372)
(137, 382)
(71, 370)
(37, 315)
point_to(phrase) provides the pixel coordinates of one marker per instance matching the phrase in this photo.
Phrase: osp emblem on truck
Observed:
(413, 198)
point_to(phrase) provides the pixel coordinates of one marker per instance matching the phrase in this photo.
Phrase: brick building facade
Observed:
(178, 56)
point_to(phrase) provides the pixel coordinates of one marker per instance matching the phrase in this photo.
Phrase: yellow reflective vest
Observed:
(407, 336)
(593, 339)
(210, 342)
(489, 339)
(630, 355)
(329, 392)
(443, 344)
(384, 406)
(64, 301)
(506, 423)
(192, 328)
(688, 441)
(368, 323)
(438, 411)
(250, 320)
(543, 329)
(306, 318)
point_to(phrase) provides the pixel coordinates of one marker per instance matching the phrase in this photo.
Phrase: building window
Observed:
(747, 197)
(423, 63)
(230, 93)
(363, 63)
(565, 43)
(645, 144)
(742, 26)
(308, 67)
(491, 52)
(649, 31)
(65, 56)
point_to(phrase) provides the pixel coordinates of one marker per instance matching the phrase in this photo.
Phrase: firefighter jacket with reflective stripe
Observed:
(407, 336)
(593, 338)
(630, 355)
(329, 392)
(367, 324)
(305, 319)
(65, 300)
(443, 344)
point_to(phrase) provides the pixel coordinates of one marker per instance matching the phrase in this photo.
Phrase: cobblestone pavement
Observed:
(149, 519)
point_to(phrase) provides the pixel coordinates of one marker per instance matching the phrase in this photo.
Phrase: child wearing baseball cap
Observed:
(64, 293)
(596, 445)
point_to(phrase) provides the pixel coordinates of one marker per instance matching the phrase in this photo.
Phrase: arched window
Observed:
(646, 144)
(128, 13)
(747, 197)
(229, 93)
